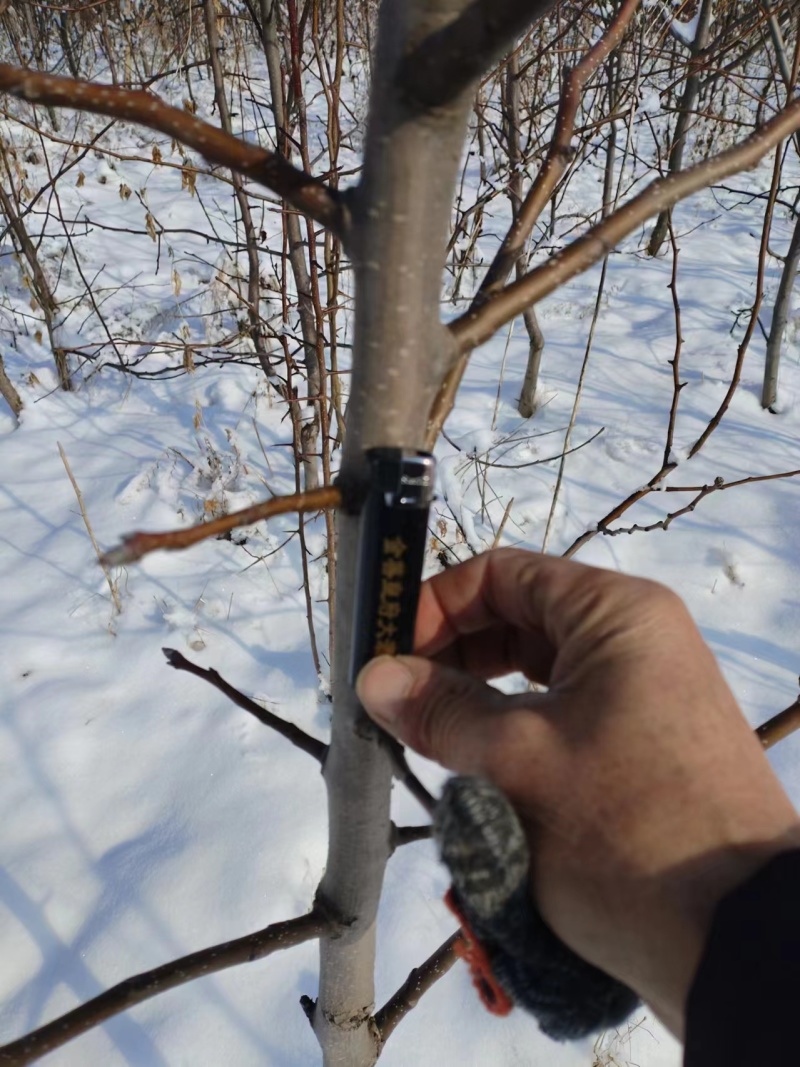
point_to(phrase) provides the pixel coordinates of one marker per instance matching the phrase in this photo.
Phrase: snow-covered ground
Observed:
(143, 816)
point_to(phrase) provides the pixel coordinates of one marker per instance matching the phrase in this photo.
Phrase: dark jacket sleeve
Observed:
(744, 1005)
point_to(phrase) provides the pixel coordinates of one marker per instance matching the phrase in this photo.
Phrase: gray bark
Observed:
(769, 392)
(401, 215)
(691, 90)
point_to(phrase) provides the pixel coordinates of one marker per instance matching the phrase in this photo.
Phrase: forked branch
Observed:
(308, 744)
(444, 63)
(653, 486)
(149, 984)
(309, 195)
(558, 156)
(476, 327)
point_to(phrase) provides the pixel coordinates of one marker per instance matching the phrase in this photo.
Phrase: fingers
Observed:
(514, 610)
(500, 650)
(441, 713)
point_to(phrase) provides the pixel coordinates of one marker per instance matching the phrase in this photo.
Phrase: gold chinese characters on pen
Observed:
(393, 571)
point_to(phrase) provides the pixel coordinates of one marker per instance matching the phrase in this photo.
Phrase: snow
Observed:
(143, 815)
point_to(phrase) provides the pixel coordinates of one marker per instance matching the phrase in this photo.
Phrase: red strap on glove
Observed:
(469, 949)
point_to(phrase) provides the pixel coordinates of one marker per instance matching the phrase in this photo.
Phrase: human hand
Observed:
(643, 792)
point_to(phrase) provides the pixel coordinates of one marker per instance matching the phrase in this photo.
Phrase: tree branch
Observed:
(419, 981)
(136, 545)
(558, 156)
(311, 745)
(475, 327)
(149, 984)
(652, 486)
(309, 195)
(403, 773)
(299, 738)
(408, 835)
(444, 63)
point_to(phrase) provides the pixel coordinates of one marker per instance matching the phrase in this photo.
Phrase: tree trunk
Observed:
(254, 263)
(297, 253)
(526, 405)
(691, 90)
(769, 393)
(401, 214)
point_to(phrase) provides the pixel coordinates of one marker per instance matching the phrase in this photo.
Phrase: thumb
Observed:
(441, 713)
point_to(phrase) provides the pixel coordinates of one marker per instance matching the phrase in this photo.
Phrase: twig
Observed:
(566, 450)
(111, 584)
(475, 327)
(404, 774)
(503, 521)
(299, 738)
(754, 311)
(309, 195)
(408, 835)
(136, 545)
(668, 463)
(780, 725)
(652, 486)
(419, 981)
(149, 984)
(547, 459)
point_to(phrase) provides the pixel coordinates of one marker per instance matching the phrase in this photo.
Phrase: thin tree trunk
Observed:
(527, 397)
(257, 334)
(38, 280)
(401, 214)
(691, 90)
(769, 393)
(297, 254)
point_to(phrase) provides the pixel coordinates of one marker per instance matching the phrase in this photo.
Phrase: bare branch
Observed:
(702, 491)
(419, 981)
(404, 774)
(311, 745)
(558, 156)
(149, 984)
(408, 835)
(299, 738)
(136, 545)
(309, 195)
(445, 62)
(475, 327)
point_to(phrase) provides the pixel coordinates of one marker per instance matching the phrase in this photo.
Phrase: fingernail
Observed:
(382, 686)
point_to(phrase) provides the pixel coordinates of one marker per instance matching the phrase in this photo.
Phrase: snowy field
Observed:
(142, 815)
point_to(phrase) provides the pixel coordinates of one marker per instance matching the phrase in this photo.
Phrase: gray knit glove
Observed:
(514, 956)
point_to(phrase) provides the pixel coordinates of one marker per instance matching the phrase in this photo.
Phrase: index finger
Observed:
(504, 610)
